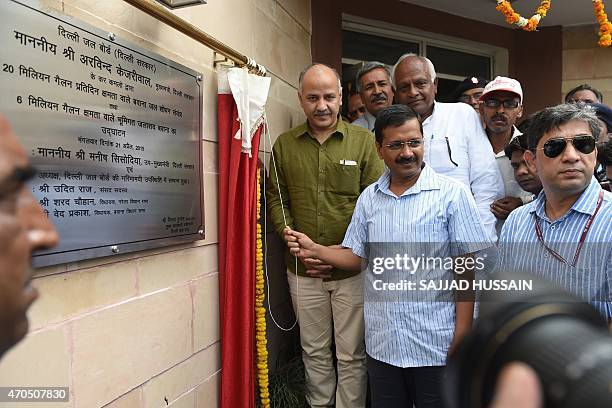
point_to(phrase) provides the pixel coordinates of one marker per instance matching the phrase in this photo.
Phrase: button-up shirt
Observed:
(591, 278)
(439, 216)
(454, 133)
(320, 183)
(511, 186)
(367, 121)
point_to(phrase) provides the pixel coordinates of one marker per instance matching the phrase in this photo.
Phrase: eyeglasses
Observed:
(554, 147)
(508, 103)
(412, 144)
(470, 98)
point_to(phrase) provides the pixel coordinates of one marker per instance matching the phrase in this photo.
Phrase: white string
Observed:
(265, 229)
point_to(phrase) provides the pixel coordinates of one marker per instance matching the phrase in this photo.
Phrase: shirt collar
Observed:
(304, 129)
(586, 203)
(428, 180)
(515, 133)
(430, 117)
(370, 119)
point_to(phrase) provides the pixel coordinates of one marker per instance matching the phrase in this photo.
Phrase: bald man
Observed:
(320, 167)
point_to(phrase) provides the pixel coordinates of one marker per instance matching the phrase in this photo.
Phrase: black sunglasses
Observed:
(554, 147)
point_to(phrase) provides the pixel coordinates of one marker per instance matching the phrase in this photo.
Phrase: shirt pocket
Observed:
(440, 157)
(344, 179)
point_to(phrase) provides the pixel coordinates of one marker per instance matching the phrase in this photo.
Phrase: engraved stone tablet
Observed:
(113, 129)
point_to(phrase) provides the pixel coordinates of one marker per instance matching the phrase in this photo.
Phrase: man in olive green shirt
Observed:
(321, 168)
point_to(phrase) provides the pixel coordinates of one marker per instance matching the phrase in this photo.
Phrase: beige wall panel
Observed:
(578, 63)
(185, 401)
(585, 62)
(41, 360)
(82, 291)
(182, 378)
(209, 157)
(603, 65)
(271, 45)
(211, 212)
(208, 393)
(173, 268)
(300, 10)
(206, 311)
(580, 37)
(132, 399)
(119, 348)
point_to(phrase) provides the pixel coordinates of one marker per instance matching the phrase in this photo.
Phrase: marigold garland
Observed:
(513, 17)
(260, 311)
(605, 27)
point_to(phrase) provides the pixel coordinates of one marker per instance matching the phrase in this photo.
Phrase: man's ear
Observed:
(379, 150)
(520, 112)
(530, 160)
(435, 82)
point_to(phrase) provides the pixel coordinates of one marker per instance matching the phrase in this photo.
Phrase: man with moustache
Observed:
(24, 228)
(318, 170)
(408, 335)
(455, 142)
(527, 180)
(376, 91)
(565, 234)
(502, 105)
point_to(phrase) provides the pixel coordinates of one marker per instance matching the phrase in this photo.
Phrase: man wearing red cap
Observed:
(500, 108)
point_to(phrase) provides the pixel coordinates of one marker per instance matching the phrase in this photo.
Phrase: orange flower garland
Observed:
(260, 311)
(605, 27)
(513, 17)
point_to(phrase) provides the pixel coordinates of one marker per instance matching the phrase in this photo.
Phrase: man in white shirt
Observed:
(455, 142)
(501, 105)
(374, 86)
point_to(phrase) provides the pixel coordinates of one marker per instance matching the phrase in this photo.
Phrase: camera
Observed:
(564, 340)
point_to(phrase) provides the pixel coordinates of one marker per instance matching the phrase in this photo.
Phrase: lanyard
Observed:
(587, 226)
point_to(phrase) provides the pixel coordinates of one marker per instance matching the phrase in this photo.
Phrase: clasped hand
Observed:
(301, 246)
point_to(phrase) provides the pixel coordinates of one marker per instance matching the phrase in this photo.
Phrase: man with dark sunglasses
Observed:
(565, 234)
(501, 105)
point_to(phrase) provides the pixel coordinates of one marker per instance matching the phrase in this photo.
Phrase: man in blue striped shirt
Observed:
(409, 327)
(565, 234)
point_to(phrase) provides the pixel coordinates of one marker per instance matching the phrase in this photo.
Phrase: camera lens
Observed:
(565, 341)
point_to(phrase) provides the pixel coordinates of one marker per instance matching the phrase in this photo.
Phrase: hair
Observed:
(367, 67)
(427, 61)
(604, 154)
(314, 64)
(517, 143)
(394, 116)
(555, 116)
(584, 87)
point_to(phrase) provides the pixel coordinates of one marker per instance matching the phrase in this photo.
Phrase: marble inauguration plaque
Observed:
(113, 129)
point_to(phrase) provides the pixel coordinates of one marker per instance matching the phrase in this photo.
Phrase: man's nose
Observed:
(406, 151)
(41, 232)
(521, 170)
(570, 154)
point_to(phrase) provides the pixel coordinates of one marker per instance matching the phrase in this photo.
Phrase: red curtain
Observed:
(237, 228)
